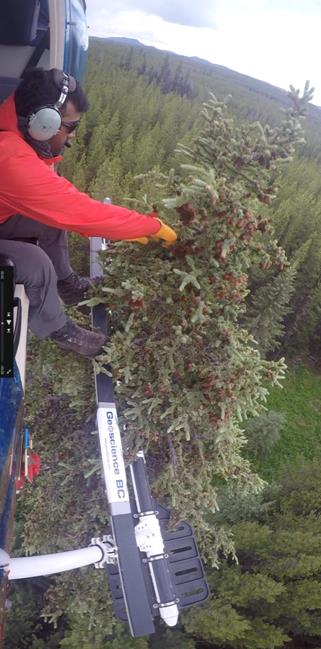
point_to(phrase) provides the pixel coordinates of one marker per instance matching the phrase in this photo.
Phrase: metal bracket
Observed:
(155, 558)
(4, 560)
(159, 605)
(108, 548)
(150, 512)
(148, 535)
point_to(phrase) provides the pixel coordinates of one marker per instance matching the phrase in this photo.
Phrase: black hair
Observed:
(38, 88)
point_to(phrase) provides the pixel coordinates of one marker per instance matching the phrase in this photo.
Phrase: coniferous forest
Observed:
(215, 349)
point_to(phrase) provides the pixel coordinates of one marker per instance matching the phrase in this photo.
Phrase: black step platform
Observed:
(185, 566)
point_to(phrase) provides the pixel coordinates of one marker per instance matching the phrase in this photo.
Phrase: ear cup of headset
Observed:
(44, 123)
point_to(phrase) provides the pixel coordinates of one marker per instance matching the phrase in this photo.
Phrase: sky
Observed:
(278, 41)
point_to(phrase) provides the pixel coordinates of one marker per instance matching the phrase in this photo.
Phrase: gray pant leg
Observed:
(52, 240)
(35, 270)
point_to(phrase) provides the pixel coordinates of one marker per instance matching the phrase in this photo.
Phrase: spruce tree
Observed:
(274, 594)
(186, 372)
(267, 308)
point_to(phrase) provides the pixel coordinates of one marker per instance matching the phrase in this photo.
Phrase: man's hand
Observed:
(165, 234)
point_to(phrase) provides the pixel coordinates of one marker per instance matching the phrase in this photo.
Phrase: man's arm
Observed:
(29, 187)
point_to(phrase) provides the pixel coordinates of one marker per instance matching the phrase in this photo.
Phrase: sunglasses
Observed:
(70, 126)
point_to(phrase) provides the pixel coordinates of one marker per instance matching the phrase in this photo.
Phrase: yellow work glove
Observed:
(165, 233)
(142, 240)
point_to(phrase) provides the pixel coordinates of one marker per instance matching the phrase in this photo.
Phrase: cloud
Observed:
(180, 12)
(273, 40)
(194, 14)
(305, 7)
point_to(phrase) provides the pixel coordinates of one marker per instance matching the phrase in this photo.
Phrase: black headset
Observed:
(45, 122)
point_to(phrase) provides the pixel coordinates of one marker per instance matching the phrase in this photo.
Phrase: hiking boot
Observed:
(73, 289)
(73, 338)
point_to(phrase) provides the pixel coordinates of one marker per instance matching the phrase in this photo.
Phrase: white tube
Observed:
(169, 614)
(48, 564)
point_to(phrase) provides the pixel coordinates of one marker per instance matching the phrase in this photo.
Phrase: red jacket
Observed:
(30, 186)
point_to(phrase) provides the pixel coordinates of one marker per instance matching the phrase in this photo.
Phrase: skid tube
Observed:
(158, 570)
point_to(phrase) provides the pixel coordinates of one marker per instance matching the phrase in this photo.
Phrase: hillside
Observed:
(194, 78)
